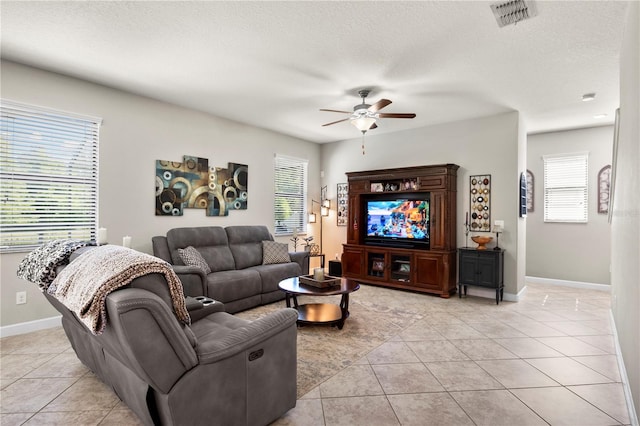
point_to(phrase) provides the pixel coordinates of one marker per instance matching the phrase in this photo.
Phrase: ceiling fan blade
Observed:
(334, 122)
(373, 126)
(396, 115)
(379, 105)
(335, 110)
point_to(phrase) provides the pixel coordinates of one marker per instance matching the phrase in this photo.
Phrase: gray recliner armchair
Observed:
(219, 370)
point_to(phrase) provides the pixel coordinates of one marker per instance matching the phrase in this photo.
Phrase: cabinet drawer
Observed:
(432, 182)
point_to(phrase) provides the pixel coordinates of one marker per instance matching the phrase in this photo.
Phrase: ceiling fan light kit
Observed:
(363, 123)
(365, 116)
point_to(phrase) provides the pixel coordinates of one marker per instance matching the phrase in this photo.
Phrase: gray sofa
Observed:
(238, 278)
(218, 370)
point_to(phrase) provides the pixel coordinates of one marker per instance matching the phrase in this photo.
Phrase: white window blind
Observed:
(48, 176)
(290, 195)
(566, 187)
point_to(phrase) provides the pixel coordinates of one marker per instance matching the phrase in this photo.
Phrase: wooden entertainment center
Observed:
(398, 263)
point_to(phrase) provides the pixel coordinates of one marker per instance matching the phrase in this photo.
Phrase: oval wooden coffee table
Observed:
(319, 313)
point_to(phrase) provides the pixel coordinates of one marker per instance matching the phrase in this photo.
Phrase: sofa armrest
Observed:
(194, 280)
(302, 259)
(161, 248)
(201, 306)
(215, 348)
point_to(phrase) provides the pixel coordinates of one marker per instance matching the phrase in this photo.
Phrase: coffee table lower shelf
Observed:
(321, 313)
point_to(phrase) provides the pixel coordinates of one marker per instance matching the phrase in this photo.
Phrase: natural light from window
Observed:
(566, 187)
(290, 195)
(48, 176)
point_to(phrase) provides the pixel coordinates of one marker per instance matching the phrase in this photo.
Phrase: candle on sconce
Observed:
(102, 236)
(126, 241)
(466, 218)
(318, 274)
(295, 232)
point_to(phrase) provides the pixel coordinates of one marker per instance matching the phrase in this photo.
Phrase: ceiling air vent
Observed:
(514, 11)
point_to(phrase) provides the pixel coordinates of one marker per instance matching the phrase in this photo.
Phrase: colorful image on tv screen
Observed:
(398, 219)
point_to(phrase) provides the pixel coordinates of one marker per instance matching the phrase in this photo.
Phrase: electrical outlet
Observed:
(21, 297)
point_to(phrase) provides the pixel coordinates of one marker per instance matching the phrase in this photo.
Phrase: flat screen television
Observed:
(397, 220)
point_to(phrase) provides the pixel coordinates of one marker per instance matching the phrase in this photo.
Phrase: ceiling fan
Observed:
(364, 116)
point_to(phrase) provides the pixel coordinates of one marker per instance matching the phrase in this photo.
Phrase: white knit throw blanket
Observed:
(84, 284)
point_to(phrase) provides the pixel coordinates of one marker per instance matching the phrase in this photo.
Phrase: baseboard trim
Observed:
(29, 326)
(633, 417)
(488, 293)
(566, 283)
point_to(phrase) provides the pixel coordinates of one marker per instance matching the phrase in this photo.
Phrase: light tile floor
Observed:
(548, 359)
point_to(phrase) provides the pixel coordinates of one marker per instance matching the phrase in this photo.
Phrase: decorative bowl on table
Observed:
(482, 241)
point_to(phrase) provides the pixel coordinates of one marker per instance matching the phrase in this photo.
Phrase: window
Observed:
(565, 187)
(290, 195)
(48, 176)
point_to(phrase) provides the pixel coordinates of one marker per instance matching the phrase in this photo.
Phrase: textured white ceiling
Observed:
(274, 64)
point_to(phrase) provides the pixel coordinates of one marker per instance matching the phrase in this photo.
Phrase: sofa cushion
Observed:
(227, 286)
(215, 327)
(245, 243)
(271, 275)
(192, 257)
(273, 252)
(210, 241)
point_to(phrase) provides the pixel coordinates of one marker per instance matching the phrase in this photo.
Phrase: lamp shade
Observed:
(324, 211)
(312, 218)
(326, 203)
(363, 123)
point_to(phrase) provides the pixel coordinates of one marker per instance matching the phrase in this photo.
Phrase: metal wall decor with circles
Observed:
(480, 203)
(193, 184)
(343, 204)
(604, 187)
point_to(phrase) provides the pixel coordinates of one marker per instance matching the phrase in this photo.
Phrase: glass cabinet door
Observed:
(376, 264)
(400, 267)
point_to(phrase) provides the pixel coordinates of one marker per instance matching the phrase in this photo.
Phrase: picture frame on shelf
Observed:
(409, 184)
(377, 265)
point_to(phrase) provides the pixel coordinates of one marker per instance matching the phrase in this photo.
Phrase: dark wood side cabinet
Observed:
(482, 268)
(429, 270)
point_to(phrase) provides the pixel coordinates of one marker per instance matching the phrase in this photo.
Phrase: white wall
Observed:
(482, 146)
(569, 251)
(625, 250)
(136, 132)
(523, 237)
